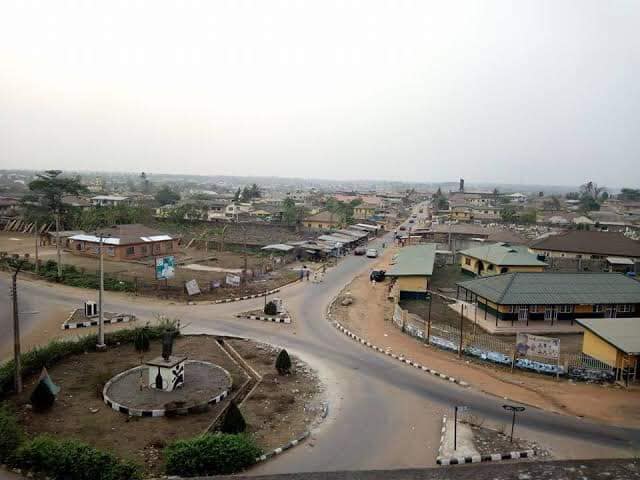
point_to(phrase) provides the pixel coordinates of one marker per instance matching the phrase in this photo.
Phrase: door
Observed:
(523, 313)
(610, 311)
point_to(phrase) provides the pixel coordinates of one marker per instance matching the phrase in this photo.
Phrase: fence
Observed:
(492, 349)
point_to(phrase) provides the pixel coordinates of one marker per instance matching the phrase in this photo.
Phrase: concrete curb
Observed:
(136, 412)
(266, 319)
(494, 457)
(292, 443)
(120, 318)
(443, 432)
(246, 297)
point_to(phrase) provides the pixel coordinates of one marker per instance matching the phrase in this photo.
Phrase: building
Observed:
(552, 296)
(364, 211)
(8, 206)
(614, 342)
(587, 244)
(125, 242)
(324, 220)
(108, 200)
(499, 258)
(413, 269)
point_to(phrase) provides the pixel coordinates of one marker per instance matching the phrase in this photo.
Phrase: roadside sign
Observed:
(233, 280)
(192, 287)
(165, 267)
(536, 345)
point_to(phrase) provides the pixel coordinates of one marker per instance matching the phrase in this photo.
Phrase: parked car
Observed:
(402, 228)
(372, 253)
(411, 220)
(360, 251)
(377, 275)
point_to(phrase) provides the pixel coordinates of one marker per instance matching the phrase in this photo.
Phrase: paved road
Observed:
(382, 414)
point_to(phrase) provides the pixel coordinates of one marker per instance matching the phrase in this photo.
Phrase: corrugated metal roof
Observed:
(553, 288)
(504, 254)
(414, 260)
(622, 333)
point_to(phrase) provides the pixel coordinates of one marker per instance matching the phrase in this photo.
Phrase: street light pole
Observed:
(101, 345)
(16, 327)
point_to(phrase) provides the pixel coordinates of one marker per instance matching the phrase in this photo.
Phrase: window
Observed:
(598, 308)
(111, 251)
(490, 267)
(130, 251)
(467, 261)
(79, 246)
(578, 256)
(625, 308)
(143, 249)
(565, 308)
(535, 308)
(169, 246)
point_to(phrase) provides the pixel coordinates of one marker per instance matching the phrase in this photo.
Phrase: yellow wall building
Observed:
(497, 258)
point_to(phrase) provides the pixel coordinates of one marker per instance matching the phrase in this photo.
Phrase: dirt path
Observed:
(370, 317)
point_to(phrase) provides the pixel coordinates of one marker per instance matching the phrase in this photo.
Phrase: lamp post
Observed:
(101, 345)
(16, 325)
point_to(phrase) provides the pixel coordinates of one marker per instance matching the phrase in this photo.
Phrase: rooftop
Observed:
(591, 242)
(124, 235)
(504, 254)
(324, 216)
(622, 333)
(555, 288)
(414, 260)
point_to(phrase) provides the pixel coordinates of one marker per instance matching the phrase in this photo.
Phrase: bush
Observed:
(233, 421)
(218, 454)
(270, 309)
(42, 398)
(10, 434)
(283, 362)
(141, 340)
(73, 460)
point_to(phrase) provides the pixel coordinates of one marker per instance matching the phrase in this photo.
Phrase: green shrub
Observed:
(218, 454)
(11, 434)
(233, 421)
(42, 398)
(283, 362)
(72, 460)
(141, 340)
(270, 309)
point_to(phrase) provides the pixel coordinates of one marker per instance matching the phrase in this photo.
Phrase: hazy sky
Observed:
(510, 91)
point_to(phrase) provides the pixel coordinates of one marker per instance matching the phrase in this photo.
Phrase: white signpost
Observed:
(233, 280)
(192, 287)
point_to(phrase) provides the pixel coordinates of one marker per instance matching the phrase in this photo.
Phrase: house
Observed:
(364, 211)
(552, 296)
(324, 220)
(461, 213)
(125, 242)
(587, 244)
(77, 201)
(614, 342)
(412, 270)
(499, 258)
(8, 206)
(108, 200)
(468, 213)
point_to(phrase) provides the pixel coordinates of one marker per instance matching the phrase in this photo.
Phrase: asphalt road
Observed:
(382, 414)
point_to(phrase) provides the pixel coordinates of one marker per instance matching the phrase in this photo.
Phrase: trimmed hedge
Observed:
(270, 309)
(56, 350)
(217, 454)
(11, 434)
(72, 460)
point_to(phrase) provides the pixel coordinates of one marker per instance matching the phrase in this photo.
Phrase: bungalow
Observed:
(108, 200)
(613, 342)
(324, 220)
(587, 244)
(125, 242)
(499, 258)
(364, 211)
(413, 269)
(551, 296)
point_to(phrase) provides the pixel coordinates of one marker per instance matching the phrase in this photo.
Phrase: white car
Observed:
(372, 253)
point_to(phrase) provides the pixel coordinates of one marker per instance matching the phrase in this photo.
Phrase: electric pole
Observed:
(16, 326)
(101, 345)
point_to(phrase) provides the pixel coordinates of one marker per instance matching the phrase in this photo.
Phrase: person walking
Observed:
(308, 273)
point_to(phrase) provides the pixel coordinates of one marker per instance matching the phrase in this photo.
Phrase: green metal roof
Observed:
(504, 254)
(415, 260)
(553, 288)
(622, 333)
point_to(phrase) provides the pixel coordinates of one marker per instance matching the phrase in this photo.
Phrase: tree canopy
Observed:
(166, 196)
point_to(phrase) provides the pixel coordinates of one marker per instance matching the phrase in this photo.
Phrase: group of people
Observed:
(318, 275)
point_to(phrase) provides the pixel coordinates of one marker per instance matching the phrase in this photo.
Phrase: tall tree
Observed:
(166, 196)
(145, 185)
(47, 190)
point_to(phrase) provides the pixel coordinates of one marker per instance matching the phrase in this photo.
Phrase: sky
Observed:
(507, 91)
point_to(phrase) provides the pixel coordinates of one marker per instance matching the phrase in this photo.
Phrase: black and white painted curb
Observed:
(246, 297)
(399, 357)
(136, 412)
(292, 443)
(494, 457)
(123, 318)
(266, 319)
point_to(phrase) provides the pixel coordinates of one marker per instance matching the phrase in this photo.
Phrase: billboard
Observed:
(165, 267)
(527, 344)
(233, 280)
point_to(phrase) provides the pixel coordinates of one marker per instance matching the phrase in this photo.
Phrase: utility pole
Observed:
(58, 255)
(461, 326)
(428, 336)
(37, 239)
(101, 345)
(16, 327)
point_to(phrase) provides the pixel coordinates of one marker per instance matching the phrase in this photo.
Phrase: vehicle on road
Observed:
(360, 251)
(372, 253)
(377, 275)
(411, 220)
(402, 228)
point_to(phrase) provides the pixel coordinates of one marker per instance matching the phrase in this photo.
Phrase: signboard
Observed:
(233, 280)
(527, 344)
(192, 287)
(165, 267)
(215, 284)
